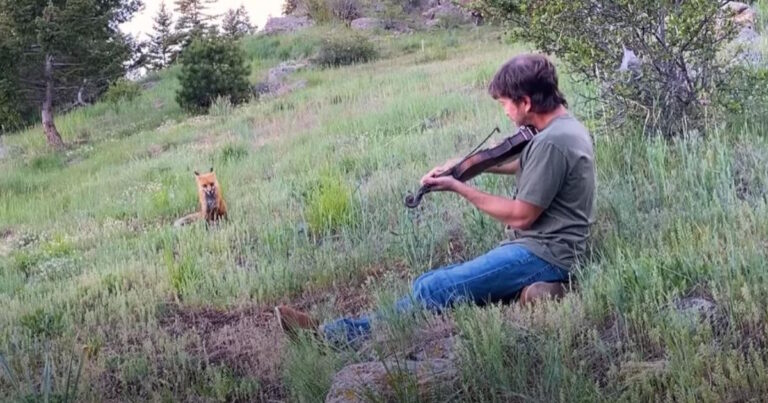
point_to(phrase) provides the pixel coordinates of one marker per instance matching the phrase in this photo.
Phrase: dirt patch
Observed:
(348, 298)
(247, 340)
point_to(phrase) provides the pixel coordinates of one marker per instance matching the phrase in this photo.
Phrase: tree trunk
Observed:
(51, 134)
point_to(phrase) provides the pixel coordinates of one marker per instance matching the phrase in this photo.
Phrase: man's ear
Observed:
(527, 105)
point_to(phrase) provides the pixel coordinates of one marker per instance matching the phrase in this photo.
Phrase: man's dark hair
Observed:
(531, 75)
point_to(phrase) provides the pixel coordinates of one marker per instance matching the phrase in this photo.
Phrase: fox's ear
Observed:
(197, 173)
(211, 169)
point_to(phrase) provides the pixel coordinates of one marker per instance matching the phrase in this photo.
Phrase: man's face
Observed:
(516, 112)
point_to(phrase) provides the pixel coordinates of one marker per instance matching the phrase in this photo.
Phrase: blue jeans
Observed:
(498, 275)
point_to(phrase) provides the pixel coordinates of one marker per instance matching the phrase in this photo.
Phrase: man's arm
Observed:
(508, 168)
(517, 214)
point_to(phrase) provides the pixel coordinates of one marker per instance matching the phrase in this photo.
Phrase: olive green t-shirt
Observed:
(557, 173)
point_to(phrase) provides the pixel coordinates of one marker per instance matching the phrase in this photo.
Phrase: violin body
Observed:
(477, 162)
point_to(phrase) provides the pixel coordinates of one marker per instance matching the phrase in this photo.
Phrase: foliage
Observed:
(212, 67)
(80, 38)
(163, 48)
(318, 10)
(236, 23)
(344, 48)
(670, 83)
(289, 6)
(345, 10)
(122, 90)
(193, 22)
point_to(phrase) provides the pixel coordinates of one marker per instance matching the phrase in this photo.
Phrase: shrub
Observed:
(678, 65)
(318, 10)
(210, 68)
(290, 6)
(344, 49)
(345, 10)
(122, 90)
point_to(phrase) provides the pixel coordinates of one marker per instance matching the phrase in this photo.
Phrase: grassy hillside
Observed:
(97, 286)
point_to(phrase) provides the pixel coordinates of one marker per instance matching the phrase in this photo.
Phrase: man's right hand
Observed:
(436, 171)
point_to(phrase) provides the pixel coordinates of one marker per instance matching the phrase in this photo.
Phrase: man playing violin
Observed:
(548, 220)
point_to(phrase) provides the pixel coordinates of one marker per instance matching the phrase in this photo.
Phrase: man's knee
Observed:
(428, 292)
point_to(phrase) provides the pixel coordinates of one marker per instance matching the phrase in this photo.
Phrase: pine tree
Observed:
(236, 23)
(193, 20)
(62, 49)
(162, 44)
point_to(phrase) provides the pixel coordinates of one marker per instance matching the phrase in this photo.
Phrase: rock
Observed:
(366, 23)
(446, 12)
(745, 46)
(444, 348)
(278, 73)
(276, 79)
(287, 23)
(357, 382)
(743, 15)
(696, 306)
(747, 42)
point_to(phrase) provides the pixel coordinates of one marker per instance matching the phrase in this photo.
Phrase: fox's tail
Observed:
(188, 219)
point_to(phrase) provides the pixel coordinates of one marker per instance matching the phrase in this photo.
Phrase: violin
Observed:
(476, 162)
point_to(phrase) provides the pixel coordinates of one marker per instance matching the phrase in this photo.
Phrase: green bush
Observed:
(122, 90)
(211, 68)
(679, 47)
(346, 48)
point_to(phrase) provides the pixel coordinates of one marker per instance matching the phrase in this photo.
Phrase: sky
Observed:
(258, 10)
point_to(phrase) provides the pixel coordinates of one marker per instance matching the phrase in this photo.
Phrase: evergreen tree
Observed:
(193, 20)
(61, 50)
(236, 23)
(162, 44)
(212, 67)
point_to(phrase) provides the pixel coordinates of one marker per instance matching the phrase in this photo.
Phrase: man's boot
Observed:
(540, 290)
(293, 321)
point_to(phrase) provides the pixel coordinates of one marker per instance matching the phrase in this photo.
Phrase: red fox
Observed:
(212, 205)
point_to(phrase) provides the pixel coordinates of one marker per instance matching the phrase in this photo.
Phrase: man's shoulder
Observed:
(567, 134)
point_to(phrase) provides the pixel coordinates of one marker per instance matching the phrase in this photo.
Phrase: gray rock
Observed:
(275, 83)
(367, 23)
(448, 12)
(358, 382)
(287, 23)
(444, 348)
(743, 14)
(697, 307)
(746, 47)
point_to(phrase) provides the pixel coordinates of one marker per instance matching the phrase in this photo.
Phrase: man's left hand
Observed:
(441, 183)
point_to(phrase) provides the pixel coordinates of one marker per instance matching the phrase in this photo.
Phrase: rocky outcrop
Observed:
(367, 23)
(428, 364)
(745, 45)
(276, 82)
(287, 23)
(358, 382)
(447, 13)
(743, 15)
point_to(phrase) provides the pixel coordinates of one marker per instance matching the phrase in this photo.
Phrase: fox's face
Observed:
(208, 184)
